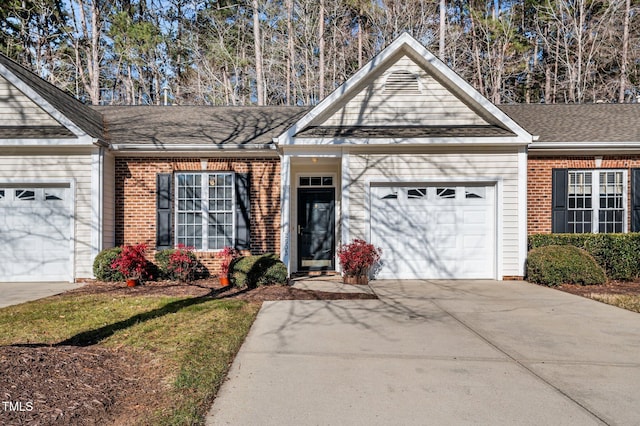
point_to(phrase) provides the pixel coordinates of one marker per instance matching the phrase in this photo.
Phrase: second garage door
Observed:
(434, 231)
(35, 233)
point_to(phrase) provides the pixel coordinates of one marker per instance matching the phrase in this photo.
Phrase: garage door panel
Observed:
(449, 232)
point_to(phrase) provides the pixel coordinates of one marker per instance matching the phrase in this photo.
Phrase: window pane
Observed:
(25, 195)
(611, 213)
(413, 193)
(446, 192)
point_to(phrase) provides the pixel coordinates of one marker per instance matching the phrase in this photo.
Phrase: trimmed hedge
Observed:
(102, 268)
(256, 271)
(617, 254)
(556, 265)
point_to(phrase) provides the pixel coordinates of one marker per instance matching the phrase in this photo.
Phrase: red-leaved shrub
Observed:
(357, 257)
(182, 264)
(227, 254)
(132, 262)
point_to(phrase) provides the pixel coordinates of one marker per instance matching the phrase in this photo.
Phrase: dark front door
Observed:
(316, 229)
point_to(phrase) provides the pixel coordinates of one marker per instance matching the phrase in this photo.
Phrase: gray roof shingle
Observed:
(369, 132)
(80, 114)
(195, 125)
(578, 122)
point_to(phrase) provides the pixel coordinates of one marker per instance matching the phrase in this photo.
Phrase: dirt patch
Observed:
(613, 287)
(43, 385)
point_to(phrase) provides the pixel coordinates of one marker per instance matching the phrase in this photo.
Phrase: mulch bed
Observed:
(613, 287)
(72, 385)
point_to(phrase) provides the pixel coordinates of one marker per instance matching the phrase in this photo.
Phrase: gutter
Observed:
(582, 146)
(190, 147)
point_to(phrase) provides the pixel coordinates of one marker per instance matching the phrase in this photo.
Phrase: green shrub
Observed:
(617, 254)
(102, 265)
(256, 271)
(555, 265)
(179, 264)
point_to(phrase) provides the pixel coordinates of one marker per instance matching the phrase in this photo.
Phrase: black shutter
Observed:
(243, 211)
(635, 200)
(559, 211)
(163, 212)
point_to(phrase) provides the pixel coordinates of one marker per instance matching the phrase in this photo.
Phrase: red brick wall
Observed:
(539, 183)
(136, 199)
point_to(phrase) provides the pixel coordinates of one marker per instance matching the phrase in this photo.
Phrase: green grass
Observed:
(628, 302)
(194, 339)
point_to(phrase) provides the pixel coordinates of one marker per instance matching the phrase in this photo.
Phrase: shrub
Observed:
(555, 265)
(227, 255)
(256, 271)
(178, 264)
(617, 254)
(132, 262)
(357, 257)
(102, 265)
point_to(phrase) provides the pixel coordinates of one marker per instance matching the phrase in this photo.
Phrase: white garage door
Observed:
(434, 231)
(35, 234)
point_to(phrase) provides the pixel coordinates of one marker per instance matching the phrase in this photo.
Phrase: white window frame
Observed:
(595, 196)
(204, 204)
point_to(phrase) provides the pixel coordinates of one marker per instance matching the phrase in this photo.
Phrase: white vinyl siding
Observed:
(442, 167)
(108, 202)
(56, 168)
(377, 104)
(16, 109)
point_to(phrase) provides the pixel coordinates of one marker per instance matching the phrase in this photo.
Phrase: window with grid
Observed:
(611, 212)
(596, 201)
(580, 201)
(204, 210)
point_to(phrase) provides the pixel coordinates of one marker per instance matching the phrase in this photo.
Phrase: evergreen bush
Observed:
(256, 271)
(617, 254)
(556, 265)
(102, 265)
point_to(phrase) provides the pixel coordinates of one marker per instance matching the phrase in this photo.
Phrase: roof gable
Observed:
(77, 119)
(424, 94)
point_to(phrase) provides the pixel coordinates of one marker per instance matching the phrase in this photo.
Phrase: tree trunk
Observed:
(258, 53)
(625, 52)
(443, 24)
(321, 51)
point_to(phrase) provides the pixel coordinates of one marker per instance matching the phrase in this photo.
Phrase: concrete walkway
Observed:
(441, 353)
(16, 293)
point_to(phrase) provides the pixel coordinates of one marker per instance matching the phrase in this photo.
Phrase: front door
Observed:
(316, 229)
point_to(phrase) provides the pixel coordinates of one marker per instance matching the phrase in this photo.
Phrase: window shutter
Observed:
(163, 212)
(559, 211)
(243, 211)
(635, 200)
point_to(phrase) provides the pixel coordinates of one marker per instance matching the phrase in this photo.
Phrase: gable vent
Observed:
(404, 82)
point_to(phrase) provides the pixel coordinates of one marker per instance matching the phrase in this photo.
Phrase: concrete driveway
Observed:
(16, 293)
(441, 353)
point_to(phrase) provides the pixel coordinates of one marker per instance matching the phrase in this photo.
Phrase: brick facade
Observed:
(136, 199)
(539, 183)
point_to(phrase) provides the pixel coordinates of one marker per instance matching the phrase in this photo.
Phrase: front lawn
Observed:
(109, 354)
(624, 301)
(112, 358)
